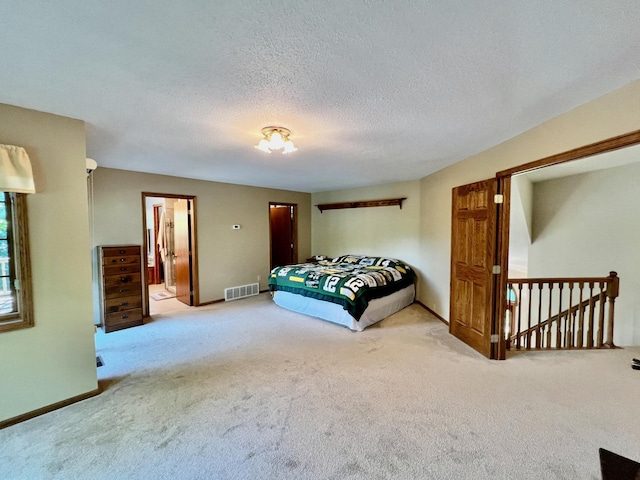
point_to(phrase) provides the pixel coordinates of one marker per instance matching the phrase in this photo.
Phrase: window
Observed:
(16, 309)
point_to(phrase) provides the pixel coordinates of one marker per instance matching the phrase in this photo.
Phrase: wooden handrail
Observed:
(563, 279)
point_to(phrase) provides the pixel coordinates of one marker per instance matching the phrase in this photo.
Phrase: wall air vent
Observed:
(234, 293)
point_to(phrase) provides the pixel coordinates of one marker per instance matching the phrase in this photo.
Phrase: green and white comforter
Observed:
(349, 280)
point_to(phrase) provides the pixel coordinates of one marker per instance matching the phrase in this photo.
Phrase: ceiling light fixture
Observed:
(275, 138)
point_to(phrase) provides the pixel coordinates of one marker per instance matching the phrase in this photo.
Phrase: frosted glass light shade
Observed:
(263, 145)
(276, 141)
(289, 147)
(276, 138)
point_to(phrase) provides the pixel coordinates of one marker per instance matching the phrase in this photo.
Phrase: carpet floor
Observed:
(248, 390)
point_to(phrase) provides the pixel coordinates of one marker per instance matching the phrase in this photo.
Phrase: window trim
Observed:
(22, 262)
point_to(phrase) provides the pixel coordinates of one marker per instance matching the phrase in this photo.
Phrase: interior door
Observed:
(473, 242)
(183, 253)
(158, 267)
(282, 235)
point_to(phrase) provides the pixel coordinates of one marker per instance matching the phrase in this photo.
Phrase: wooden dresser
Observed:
(120, 286)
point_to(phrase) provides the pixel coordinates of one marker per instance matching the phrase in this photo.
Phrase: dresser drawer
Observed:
(124, 290)
(122, 260)
(127, 278)
(122, 303)
(120, 269)
(120, 251)
(118, 318)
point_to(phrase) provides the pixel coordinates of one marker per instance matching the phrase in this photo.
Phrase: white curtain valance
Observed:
(15, 170)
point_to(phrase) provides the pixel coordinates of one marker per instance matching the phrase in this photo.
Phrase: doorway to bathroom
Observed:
(169, 225)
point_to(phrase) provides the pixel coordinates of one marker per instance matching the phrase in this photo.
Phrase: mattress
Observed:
(377, 309)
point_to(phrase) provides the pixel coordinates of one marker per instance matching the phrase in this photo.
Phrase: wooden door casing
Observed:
(182, 245)
(473, 242)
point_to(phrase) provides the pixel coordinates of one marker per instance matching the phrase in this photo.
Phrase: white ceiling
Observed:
(373, 91)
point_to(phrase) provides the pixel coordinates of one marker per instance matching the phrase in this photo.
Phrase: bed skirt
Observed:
(378, 308)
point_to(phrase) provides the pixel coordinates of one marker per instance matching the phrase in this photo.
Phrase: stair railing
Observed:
(561, 313)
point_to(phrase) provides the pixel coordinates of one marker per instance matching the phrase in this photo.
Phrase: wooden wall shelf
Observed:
(388, 202)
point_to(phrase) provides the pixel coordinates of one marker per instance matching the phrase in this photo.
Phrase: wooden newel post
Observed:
(613, 288)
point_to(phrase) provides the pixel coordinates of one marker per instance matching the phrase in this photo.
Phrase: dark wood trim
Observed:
(157, 259)
(167, 195)
(144, 261)
(195, 278)
(211, 302)
(24, 318)
(295, 234)
(432, 312)
(389, 202)
(49, 408)
(501, 258)
(26, 289)
(602, 146)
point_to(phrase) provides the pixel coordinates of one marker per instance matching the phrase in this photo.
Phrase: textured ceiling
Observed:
(373, 91)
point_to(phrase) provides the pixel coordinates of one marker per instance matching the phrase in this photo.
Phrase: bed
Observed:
(351, 290)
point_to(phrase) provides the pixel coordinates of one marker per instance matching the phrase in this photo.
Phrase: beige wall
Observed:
(587, 225)
(520, 224)
(226, 257)
(54, 360)
(381, 231)
(613, 114)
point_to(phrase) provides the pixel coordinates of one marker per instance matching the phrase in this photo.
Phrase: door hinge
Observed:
(498, 198)
(495, 338)
(496, 270)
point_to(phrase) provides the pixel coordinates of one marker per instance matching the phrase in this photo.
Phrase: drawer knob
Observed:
(122, 251)
(124, 303)
(124, 316)
(124, 279)
(122, 260)
(123, 269)
(122, 290)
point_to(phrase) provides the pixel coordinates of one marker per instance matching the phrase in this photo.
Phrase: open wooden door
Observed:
(473, 249)
(182, 245)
